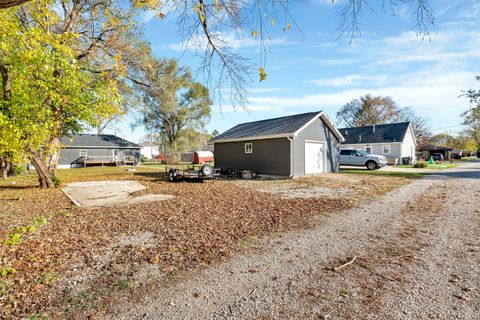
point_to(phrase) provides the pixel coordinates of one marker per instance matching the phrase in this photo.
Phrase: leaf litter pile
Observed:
(68, 262)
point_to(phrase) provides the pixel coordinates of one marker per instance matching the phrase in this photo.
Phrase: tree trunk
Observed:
(42, 171)
(5, 165)
(53, 158)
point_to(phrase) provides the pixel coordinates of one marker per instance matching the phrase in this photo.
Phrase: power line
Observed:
(454, 126)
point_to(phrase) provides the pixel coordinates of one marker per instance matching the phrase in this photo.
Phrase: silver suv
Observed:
(359, 157)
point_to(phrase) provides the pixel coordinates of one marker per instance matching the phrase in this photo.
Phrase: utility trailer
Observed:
(190, 171)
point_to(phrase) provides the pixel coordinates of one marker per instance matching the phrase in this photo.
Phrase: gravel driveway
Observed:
(414, 253)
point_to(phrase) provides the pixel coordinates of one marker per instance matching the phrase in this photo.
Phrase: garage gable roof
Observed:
(97, 141)
(273, 128)
(382, 133)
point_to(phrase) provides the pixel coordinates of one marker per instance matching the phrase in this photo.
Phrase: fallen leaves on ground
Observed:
(77, 263)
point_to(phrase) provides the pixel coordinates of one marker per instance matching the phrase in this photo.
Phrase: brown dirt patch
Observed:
(355, 187)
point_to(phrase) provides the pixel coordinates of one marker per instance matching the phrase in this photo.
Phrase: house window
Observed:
(83, 153)
(386, 149)
(368, 149)
(248, 148)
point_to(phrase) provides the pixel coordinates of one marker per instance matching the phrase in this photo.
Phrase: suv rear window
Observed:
(346, 152)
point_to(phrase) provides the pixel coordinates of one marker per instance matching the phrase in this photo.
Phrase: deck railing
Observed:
(98, 159)
(107, 159)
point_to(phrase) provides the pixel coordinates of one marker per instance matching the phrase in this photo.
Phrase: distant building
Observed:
(429, 150)
(84, 150)
(149, 150)
(393, 140)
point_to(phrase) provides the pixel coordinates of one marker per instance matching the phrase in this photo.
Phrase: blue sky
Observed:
(314, 70)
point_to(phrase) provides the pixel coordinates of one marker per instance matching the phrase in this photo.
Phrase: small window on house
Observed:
(386, 149)
(368, 149)
(83, 153)
(248, 148)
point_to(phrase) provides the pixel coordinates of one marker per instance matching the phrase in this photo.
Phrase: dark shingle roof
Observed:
(97, 140)
(276, 126)
(391, 132)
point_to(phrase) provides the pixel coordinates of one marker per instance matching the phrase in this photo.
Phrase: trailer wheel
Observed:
(172, 175)
(206, 170)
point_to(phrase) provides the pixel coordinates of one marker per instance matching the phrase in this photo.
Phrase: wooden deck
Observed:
(107, 160)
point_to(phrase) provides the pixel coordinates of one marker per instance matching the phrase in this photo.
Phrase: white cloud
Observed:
(432, 93)
(268, 90)
(350, 80)
(230, 40)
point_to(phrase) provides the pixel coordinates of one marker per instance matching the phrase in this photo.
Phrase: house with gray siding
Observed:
(291, 146)
(84, 150)
(393, 140)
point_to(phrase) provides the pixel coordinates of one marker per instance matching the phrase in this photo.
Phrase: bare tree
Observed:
(370, 110)
(471, 117)
(367, 110)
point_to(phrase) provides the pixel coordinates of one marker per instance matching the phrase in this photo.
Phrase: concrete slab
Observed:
(97, 194)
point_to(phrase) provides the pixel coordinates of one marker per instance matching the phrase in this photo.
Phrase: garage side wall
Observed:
(316, 131)
(269, 156)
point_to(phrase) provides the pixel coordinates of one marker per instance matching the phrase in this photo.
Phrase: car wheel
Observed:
(172, 175)
(206, 170)
(371, 165)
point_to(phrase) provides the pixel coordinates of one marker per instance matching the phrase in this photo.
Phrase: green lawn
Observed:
(412, 175)
(469, 159)
(440, 166)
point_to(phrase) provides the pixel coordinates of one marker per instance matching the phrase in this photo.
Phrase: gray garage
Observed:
(292, 146)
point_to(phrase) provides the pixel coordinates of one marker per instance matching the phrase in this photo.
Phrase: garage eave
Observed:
(274, 136)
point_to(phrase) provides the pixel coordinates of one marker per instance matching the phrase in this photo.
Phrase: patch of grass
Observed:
(474, 159)
(47, 278)
(124, 284)
(410, 175)
(37, 317)
(435, 166)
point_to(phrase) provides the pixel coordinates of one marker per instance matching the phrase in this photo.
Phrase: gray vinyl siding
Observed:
(69, 155)
(395, 149)
(316, 131)
(269, 156)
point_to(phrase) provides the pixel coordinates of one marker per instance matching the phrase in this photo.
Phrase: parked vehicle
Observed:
(438, 157)
(359, 157)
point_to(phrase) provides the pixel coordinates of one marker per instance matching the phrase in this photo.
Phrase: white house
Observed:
(393, 140)
(149, 150)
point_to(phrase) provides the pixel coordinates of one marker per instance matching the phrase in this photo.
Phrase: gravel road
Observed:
(414, 253)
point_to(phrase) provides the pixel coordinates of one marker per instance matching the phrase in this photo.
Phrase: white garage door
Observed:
(314, 157)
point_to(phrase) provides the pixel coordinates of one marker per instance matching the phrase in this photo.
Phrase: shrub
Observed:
(56, 181)
(420, 164)
(16, 170)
